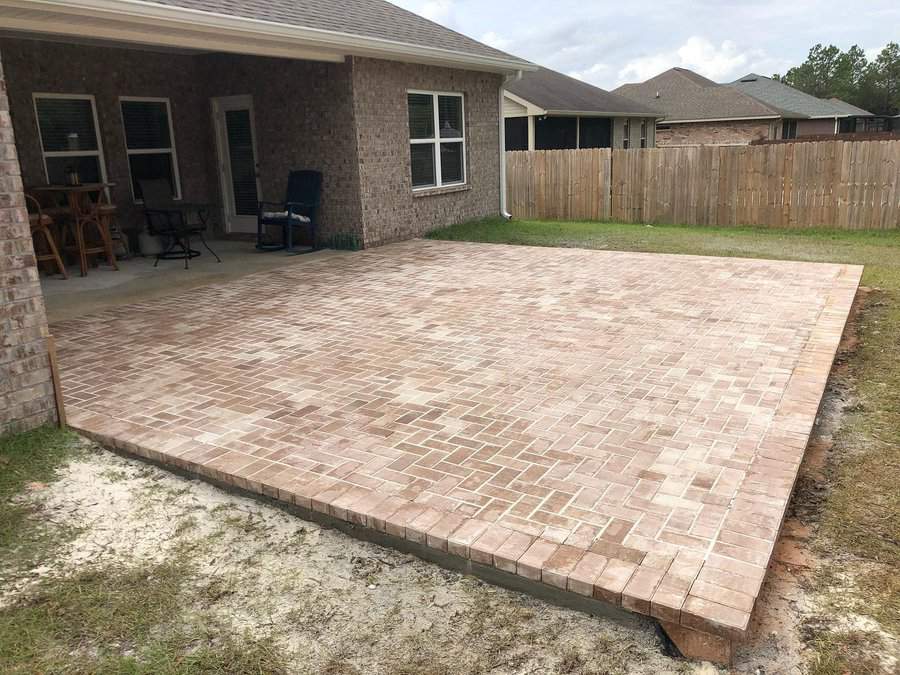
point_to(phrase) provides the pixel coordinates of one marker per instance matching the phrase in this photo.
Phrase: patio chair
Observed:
(40, 224)
(298, 210)
(175, 222)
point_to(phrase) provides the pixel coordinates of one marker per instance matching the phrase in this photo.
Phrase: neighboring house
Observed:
(223, 99)
(698, 111)
(806, 115)
(546, 110)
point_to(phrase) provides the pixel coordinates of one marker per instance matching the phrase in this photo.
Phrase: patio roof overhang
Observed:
(149, 24)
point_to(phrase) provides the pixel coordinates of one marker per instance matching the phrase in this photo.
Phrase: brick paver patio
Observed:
(621, 425)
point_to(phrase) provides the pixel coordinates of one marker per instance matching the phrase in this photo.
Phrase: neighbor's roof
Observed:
(369, 18)
(555, 92)
(780, 95)
(683, 95)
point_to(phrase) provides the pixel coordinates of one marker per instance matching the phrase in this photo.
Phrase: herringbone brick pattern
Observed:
(626, 426)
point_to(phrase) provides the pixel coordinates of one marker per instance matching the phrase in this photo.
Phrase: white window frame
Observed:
(626, 133)
(437, 140)
(151, 151)
(98, 153)
(643, 133)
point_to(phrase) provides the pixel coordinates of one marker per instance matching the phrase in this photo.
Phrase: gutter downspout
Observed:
(502, 127)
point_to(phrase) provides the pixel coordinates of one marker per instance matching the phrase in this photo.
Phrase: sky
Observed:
(610, 43)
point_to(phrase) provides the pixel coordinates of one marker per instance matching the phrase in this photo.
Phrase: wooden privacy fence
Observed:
(849, 185)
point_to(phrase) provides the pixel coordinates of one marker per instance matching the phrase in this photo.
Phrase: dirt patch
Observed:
(329, 603)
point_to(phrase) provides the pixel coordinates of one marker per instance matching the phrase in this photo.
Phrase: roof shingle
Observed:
(367, 18)
(785, 97)
(682, 94)
(554, 91)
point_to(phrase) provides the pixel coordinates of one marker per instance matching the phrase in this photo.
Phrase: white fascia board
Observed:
(149, 17)
(594, 113)
(720, 119)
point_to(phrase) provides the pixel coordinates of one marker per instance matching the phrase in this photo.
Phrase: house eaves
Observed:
(594, 113)
(148, 23)
(721, 119)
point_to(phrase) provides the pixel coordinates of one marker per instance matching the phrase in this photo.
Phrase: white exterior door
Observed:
(238, 164)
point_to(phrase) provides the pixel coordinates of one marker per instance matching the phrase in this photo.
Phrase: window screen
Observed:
(556, 133)
(595, 132)
(516, 133)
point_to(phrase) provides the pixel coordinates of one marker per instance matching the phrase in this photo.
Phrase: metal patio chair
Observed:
(298, 210)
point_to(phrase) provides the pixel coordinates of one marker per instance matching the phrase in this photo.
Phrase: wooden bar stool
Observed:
(92, 219)
(40, 224)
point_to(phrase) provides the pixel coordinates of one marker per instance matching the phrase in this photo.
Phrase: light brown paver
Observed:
(623, 425)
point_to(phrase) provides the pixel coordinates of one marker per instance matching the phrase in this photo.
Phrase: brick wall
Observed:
(108, 73)
(712, 133)
(304, 120)
(303, 115)
(26, 391)
(390, 210)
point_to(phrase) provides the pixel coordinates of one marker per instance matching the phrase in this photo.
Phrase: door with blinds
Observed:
(238, 164)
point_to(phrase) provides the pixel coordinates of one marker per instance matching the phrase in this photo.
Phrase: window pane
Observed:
(451, 162)
(146, 125)
(422, 160)
(66, 124)
(148, 167)
(421, 116)
(450, 116)
(58, 168)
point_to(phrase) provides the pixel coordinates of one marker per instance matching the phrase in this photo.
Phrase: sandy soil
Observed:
(337, 605)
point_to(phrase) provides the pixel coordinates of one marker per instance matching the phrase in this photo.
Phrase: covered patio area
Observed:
(215, 128)
(617, 426)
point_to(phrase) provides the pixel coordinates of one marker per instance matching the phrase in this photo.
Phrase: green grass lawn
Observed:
(860, 514)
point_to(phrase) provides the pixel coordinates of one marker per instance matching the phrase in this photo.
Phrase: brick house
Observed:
(222, 100)
(698, 111)
(546, 110)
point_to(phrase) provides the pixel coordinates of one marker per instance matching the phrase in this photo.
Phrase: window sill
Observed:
(447, 189)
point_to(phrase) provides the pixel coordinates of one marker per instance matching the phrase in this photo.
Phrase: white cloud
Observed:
(496, 40)
(441, 11)
(720, 62)
(593, 74)
(873, 52)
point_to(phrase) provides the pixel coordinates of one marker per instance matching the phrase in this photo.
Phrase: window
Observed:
(555, 133)
(70, 137)
(149, 143)
(626, 133)
(437, 149)
(643, 133)
(789, 129)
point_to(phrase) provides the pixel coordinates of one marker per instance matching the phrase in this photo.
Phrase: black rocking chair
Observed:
(174, 222)
(298, 210)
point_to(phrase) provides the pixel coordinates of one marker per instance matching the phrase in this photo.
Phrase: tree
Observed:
(881, 84)
(829, 72)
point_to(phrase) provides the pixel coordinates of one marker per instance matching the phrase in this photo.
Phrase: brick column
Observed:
(26, 390)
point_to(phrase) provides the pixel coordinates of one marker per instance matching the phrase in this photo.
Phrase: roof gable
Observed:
(682, 94)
